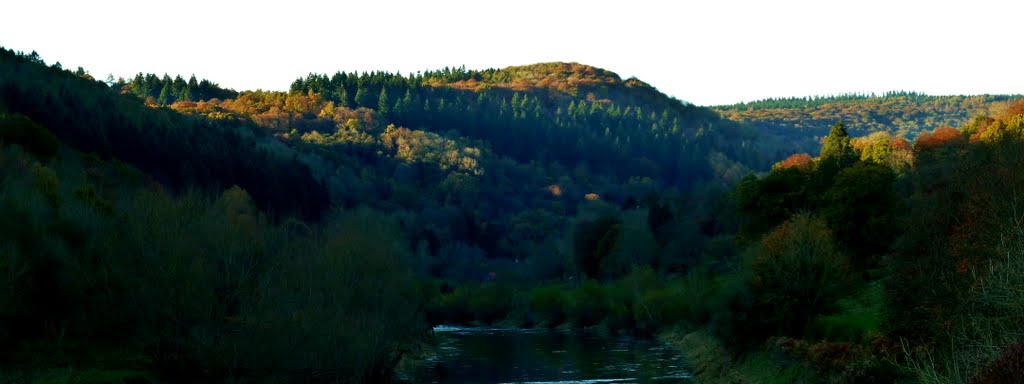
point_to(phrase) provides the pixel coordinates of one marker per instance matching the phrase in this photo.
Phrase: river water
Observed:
(495, 355)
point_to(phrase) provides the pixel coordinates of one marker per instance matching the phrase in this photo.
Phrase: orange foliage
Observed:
(939, 137)
(592, 196)
(555, 189)
(1017, 108)
(900, 144)
(466, 85)
(981, 126)
(183, 105)
(520, 85)
(799, 160)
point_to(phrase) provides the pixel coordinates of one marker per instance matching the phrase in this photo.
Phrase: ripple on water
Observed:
(587, 381)
(543, 356)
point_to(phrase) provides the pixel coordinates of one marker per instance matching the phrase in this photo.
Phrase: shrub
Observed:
(798, 273)
(491, 302)
(658, 309)
(588, 304)
(856, 318)
(548, 305)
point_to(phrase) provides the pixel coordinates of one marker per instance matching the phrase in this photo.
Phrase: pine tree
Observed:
(193, 89)
(166, 96)
(383, 104)
(836, 154)
(342, 95)
(361, 97)
(837, 145)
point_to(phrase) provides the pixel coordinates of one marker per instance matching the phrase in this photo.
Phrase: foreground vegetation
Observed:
(168, 230)
(99, 260)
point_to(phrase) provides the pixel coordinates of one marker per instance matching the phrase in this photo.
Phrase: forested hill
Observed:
(483, 167)
(179, 151)
(800, 123)
(572, 114)
(205, 235)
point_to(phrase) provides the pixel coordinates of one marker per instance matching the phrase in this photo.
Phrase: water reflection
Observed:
(495, 355)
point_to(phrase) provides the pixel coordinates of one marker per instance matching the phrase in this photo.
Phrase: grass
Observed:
(47, 363)
(711, 363)
(855, 317)
(76, 375)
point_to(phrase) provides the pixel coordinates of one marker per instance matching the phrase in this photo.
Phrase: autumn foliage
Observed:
(800, 160)
(939, 137)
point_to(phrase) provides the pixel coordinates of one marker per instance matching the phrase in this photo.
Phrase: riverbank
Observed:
(47, 363)
(711, 362)
(782, 360)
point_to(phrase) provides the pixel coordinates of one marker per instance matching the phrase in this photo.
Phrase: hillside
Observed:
(168, 230)
(568, 113)
(236, 190)
(799, 124)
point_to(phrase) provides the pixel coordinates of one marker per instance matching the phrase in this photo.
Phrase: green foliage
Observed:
(875, 148)
(796, 125)
(837, 153)
(200, 287)
(182, 152)
(593, 242)
(476, 198)
(798, 274)
(856, 317)
(491, 302)
(152, 86)
(837, 146)
(860, 208)
(519, 111)
(548, 305)
(587, 304)
(764, 203)
(657, 309)
(19, 129)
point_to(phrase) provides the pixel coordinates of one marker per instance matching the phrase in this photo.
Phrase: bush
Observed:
(857, 317)
(548, 305)
(346, 310)
(588, 304)
(798, 274)
(491, 302)
(658, 309)
(730, 308)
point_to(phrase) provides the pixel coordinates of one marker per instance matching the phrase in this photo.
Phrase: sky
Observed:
(705, 52)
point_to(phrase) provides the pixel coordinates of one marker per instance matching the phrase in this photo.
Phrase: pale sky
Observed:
(706, 52)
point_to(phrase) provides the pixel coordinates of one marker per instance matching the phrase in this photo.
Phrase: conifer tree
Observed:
(165, 95)
(383, 104)
(837, 145)
(361, 97)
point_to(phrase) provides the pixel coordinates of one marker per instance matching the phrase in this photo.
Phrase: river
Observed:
(496, 355)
